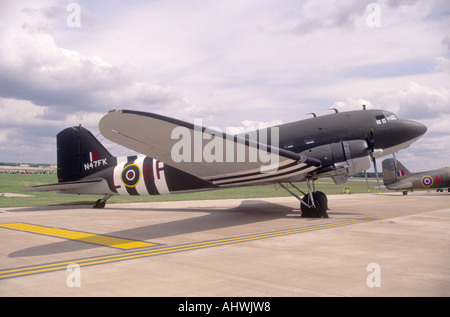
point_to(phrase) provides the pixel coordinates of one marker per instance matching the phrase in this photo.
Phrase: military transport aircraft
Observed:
(397, 177)
(179, 156)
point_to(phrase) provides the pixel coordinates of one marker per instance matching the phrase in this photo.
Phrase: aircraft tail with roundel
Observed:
(397, 177)
(395, 174)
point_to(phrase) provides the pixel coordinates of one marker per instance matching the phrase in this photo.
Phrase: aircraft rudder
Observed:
(388, 172)
(393, 171)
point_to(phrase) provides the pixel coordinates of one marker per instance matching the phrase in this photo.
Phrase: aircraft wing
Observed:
(65, 186)
(208, 154)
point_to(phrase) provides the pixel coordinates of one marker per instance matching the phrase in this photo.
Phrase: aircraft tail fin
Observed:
(80, 154)
(394, 171)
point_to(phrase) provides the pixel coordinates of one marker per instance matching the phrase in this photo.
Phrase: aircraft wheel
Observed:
(100, 204)
(324, 197)
(320, 209)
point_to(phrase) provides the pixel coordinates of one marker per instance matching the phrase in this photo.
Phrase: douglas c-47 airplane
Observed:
(397, 177)
(179, 156)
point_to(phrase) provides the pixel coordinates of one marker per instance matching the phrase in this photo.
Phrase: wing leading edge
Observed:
(209, 154)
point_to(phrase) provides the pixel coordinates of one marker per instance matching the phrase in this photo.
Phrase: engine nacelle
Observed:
(341, 159)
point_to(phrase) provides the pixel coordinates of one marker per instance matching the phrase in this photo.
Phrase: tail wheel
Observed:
(320, 206)
(100, 204)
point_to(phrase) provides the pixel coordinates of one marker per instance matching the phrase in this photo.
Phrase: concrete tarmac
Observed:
(371, 245)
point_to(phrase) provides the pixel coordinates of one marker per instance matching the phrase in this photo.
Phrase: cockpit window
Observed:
(391, 117)
(382, 119)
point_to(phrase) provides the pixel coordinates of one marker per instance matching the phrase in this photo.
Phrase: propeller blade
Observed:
(376, 173)
(371, 141)
(371, 146)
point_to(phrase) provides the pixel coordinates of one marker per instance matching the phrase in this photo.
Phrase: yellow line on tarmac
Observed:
(15, 272)
(109, 241)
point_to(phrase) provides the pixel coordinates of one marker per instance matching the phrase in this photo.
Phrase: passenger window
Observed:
(309, 140)
(288, 145)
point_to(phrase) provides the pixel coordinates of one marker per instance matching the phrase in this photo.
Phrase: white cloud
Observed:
(442, 64)
(353, 104)
(18, 112)
(419, 102)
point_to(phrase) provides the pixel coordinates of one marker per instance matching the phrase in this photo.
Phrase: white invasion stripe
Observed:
(281, 165)
(122, 159)
(275, 178)
(293, 170)
(120, 187)
(160, 182)
(140, 187)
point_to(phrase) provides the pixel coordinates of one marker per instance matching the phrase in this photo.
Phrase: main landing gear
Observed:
(102, 202)
(314, 204)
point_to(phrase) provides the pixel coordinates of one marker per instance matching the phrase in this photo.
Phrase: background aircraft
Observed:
(397, 177)
(180, 156)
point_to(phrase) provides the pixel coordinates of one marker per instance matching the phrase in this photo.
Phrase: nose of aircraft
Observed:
(406, 132)
(399, 134)
(415, 129)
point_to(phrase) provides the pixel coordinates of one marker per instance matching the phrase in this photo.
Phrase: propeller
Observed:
(371, 145)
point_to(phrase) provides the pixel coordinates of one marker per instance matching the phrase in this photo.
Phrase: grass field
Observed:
(13, 183)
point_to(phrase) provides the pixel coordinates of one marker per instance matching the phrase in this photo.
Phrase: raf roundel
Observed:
(130, 175)
(427, 181)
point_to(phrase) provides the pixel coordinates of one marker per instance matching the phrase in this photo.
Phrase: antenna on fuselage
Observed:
(364, 107)
(335, 110)
(314, 115)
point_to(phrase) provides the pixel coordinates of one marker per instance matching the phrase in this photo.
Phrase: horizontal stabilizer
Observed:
(65, 186)
(400, 185)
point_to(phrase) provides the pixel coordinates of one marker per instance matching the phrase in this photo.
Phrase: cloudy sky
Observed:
(229, 63)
